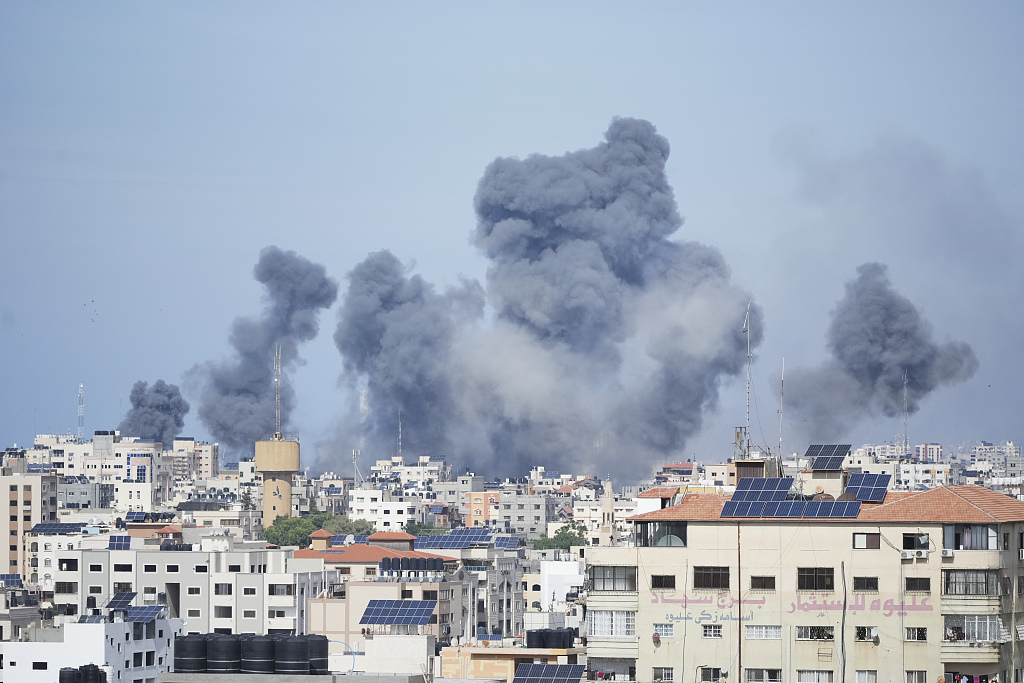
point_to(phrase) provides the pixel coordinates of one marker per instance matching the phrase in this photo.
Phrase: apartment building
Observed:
(33, 500)
(387, 510)
(224, 586)
(924, 586)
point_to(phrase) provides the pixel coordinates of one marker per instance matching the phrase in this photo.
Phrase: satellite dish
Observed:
(823, 496)
(847, 497)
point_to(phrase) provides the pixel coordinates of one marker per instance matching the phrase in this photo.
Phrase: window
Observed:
(762, 583)
(919, 584)
(611, 623)
(665, 630)
(194, 590)
(406, 594)
(916, 633)
(193, 614)
(811, 676)
(248, 614)
(917, 677)
(122, 586)
(93, 590)
(234, 567)
(663, 581)
(863, 634)
(222, 612)
(122, 567)
(149, 590)
(613, 578)
(971, 627)
(867, 541)
(815, 579)
(202, 569)
(969, 537)
(970, 582)
(711, 631)
(915, 542)
(149, 568)
(867, 676)
(763, 632)
(764, 675)
(815, 632)
(95, 567)
(430, 595)
(249, 590)
(711, 577)
(172, 568)
(65, 587)
(222, 589)
(39, 666)
(651, 534)
(710, 674)
(663, 673)
(865, 583)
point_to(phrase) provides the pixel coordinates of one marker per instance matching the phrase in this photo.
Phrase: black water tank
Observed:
(385, 564)
(291, 656)
(405, 564)
(91, 673)
(421, 564)
(567, 638)
(90, 602)
(257, 655)
(224, 655)
(68, 674)
(552, 638)
(317, 655)
(189, 654)
(534, 639)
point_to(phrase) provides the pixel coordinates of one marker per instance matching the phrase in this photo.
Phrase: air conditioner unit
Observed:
(921, 554)
(947, 552)
(906, 554)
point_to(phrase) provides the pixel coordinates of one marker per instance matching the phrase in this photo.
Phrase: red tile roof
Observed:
(391, 536)
(169, 530)
(660, 492)
(695, 506)
(321, 533)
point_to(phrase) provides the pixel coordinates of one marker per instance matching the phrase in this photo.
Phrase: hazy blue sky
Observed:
(148, 152)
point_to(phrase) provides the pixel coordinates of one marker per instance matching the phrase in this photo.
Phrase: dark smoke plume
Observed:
(158, 412)
(609, 341)
(876, 334)
(236, 402)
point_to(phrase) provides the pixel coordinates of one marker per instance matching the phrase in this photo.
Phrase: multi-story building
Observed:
(925, 586)
(78, 493)
(33, 500)
(388, 511)
(190, 459)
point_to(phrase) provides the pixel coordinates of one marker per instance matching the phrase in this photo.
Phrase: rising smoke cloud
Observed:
(876, 334)
(608, 341)
(158, 412)
(236, 395)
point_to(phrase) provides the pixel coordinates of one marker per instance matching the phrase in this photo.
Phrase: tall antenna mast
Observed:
(906, 414)
(400, 433)
(81, 412)
(746, 328)
(277, 394)
(782, 395)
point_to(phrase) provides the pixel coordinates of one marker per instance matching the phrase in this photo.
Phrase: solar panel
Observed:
(869, 488)
(847, 508)
(729, 509)
(57, 528)
(11, 580)
(549, 673)
(135, 516)
(91, 619)
(119, 543)
(508, 542)
(398, 612)
(827, 457)
(120, 600)
(145, 613)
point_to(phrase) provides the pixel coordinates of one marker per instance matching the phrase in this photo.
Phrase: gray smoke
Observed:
(609, 341)
(876, 334)
(158, 412)
(236, 402)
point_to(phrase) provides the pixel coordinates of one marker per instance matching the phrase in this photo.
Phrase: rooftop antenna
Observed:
(746, 328)
(81, 412)
(277, 394)
(906, 414)
(782, 394)
(400, 433)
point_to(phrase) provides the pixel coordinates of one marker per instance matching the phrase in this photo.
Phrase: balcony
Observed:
(969, 651)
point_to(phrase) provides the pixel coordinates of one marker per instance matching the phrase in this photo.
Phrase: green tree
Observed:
(417, 529)
(569, 535)
(289, 531)
(246, 499)
(341, 525)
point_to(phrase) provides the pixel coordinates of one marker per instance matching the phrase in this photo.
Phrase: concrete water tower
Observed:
(277, 460)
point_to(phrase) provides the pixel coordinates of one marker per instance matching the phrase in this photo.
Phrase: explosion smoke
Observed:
(157, 412)
(236, 402)
(610, 340)
(876, 334)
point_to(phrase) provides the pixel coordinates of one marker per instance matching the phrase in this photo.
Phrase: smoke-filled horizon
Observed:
(236, 394)
(610, 340)
(158, 412)
(876, 335)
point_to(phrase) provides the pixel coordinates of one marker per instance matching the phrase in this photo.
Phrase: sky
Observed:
(149, 153)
